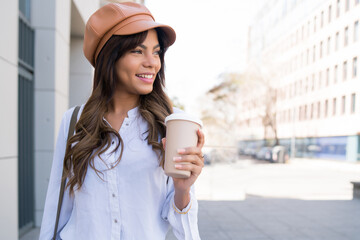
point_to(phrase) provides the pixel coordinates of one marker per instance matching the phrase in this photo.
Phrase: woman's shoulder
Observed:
(69, 112)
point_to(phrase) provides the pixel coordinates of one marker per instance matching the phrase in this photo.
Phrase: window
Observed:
(314, 53)
(320, 80)
(326, 106)
(353, 98)
(318, 110)
(302, 32)
(305, 112)
(306, 84)
(314, 24)
(329, 14)
(290, 89)
(343, 102)
(356, 30)
(344, 71)
(313, 82)
(312, 111)
(297, 36)
(327, 76)
(307, 56)
(308, 29)
(335, 74)
(338, 8)
(302, 59)
(289, 115)
(321, 49)
(322, 19)
(346, 36)
(334, 106)
(347, 3)
(337, 41)
(354, 67)
(328, 45)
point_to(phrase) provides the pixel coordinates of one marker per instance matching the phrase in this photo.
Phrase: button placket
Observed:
(114, 203)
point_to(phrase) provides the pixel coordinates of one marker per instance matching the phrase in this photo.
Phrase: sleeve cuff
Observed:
(185, 210)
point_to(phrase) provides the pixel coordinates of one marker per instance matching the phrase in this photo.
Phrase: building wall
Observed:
(290, 41)
(51, 21)
(57, 85)
(81, 73)
(9, 119)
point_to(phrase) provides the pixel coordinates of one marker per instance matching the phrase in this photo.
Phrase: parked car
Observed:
(280, 154)
(207, 160)
(265, 153)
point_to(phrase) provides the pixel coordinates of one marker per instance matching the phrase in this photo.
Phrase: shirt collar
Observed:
(132, 113)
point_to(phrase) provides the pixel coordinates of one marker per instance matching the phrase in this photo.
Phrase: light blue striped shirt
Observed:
(132, 202)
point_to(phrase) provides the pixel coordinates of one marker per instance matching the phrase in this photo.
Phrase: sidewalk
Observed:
(274, 219)
(302, 200)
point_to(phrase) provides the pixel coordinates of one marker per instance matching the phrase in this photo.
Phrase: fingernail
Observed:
(177, 165)
(177, 159)
(181, 150)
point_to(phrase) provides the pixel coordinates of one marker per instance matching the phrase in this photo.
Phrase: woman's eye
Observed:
(157, 52)
(137, 51)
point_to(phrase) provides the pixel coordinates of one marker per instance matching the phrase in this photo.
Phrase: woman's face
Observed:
(138, 67)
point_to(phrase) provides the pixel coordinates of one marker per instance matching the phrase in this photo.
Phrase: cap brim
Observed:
(144, 25)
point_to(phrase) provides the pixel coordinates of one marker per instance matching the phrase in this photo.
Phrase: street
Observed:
(305, 199)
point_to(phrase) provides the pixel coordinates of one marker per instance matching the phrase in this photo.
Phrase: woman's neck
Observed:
(122, 104)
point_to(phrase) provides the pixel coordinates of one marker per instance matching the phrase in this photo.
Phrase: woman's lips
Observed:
(146, 77)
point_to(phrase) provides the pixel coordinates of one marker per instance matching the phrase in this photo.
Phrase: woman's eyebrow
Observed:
(145, 47)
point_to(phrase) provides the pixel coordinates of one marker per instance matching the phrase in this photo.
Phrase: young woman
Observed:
(116, 187)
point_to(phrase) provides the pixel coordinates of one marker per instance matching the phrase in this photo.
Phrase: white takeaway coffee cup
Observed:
(181, 132)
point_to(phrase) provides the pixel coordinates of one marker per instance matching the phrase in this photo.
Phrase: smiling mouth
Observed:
(146, 76)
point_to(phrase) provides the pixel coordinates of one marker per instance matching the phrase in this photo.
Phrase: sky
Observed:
(211, 40)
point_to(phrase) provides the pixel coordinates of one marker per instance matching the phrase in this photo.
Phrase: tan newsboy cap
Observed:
(119, 19)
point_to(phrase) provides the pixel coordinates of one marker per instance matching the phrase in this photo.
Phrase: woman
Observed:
(116, 186)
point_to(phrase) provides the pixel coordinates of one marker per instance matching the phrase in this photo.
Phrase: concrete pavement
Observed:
(306, 199)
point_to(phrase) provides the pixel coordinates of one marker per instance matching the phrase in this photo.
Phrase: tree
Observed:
(252, 88)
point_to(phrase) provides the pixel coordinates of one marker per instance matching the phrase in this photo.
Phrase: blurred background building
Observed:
(43, 73)
(304, 87)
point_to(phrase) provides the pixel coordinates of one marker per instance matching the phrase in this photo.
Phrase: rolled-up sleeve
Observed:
(185, 226)
(52, 196)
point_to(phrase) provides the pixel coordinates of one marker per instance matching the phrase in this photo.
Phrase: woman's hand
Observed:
(194, 157)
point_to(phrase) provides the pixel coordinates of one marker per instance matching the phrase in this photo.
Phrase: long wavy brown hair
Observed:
(93, 134)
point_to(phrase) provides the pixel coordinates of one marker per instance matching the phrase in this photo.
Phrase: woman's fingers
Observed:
(163, 140)
(194, 159)
(201, 138)
(194, 169)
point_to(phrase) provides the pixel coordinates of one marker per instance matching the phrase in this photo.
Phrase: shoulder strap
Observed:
(63, 179)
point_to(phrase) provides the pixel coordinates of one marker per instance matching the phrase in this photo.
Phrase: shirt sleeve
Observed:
(53, 191)
(185, 226)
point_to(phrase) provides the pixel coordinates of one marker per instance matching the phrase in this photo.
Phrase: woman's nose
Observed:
(151, 60)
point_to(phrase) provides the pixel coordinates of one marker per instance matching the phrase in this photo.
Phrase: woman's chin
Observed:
(145, 91)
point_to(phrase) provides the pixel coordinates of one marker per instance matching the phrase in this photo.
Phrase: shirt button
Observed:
(112, 142)
(115, 221)
(127, 124)
(113, 194)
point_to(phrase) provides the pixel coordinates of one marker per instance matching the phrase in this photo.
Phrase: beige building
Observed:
(310, 52)
(43, 73)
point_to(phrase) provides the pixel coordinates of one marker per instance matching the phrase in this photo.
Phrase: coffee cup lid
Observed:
(183, 116)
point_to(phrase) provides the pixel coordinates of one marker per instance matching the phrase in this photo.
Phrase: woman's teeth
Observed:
(145, 76)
